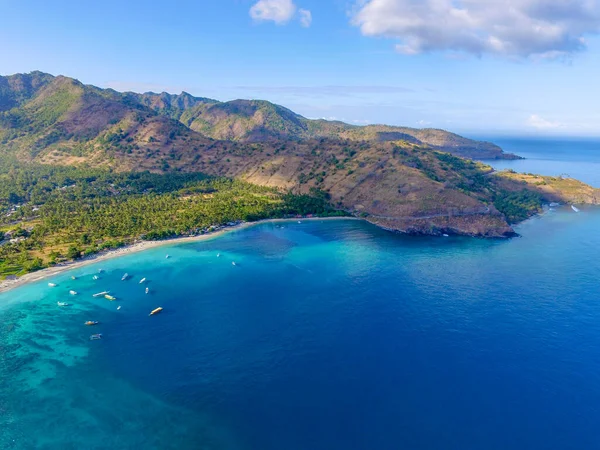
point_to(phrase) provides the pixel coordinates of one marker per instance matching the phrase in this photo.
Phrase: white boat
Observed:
(574, 208)
(124, 277)
(118, 308)
(142, 280)
(445, 235)
(73, 277)
(52, 284)
(101, 294)
(95, 277)
(233, 263)
(218, 255)
(62, 303)
(147, 290)
(167, 257)
(73, 292)
(100, 270)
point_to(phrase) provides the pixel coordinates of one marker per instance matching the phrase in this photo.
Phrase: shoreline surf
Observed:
(140, 246)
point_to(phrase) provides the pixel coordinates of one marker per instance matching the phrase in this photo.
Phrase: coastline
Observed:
(7, 285)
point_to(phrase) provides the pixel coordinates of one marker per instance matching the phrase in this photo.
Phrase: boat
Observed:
(100, 270)
(218, 255)
(73, 292)
(96, 337)
(574, 208)
(91, 322)
(233, 263)
(155, 311)
(101, 294)
(110, 297)
(142, 280)
(147, 290)
(95, 277)
(445, 235)
(124, 277)
(52, 284)
(62, 303)
(118, 307)
(73, 277)
(167, 257)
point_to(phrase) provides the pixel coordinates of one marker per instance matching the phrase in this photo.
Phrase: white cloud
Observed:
(305, 17)
(278, 11)
(515, 28)
(540, 123)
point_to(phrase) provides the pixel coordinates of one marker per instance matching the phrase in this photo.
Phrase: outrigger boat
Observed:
(101, 294)
(92, 322)
(96, 337)
(62, 303)
(155, 311)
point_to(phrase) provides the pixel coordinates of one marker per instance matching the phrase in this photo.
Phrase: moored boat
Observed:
(62, 303)
(155, 311)
(73, 292)
(95, 277)
(52, 284)
(91, 322)
(574, 208)
(147, 290)
(110, 297)
(124, 277)
(142, 280)
(95, 337)
(101, 294)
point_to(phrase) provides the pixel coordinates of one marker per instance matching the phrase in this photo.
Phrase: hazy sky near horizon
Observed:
(471, 66)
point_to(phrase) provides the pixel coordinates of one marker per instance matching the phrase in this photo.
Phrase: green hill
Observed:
(403, 179)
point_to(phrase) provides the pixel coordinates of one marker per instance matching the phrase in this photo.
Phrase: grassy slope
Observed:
(402, 185)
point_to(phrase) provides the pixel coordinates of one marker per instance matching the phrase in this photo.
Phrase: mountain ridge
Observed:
(404, 179)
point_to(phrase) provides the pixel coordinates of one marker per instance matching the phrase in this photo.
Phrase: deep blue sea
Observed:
(325, 335)
(572, 157)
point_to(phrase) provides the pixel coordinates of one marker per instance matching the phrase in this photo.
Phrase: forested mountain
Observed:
(399, 178)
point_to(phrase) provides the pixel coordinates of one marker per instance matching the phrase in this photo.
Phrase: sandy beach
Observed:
(6, 285)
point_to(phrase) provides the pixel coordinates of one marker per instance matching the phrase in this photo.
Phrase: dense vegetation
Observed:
(518, 206)
(53, 214)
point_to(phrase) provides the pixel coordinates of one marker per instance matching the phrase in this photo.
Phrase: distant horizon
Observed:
(353, 61)
(469, 133)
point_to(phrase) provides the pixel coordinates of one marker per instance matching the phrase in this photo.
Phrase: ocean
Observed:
(325, 335)
(570, 157)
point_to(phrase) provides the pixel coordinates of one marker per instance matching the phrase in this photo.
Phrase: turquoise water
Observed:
(325, 335)
(576, 157)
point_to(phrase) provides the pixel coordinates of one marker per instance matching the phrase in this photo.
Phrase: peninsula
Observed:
(84, 169)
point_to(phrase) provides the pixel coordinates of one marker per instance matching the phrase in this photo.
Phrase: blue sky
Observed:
(471, 66)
